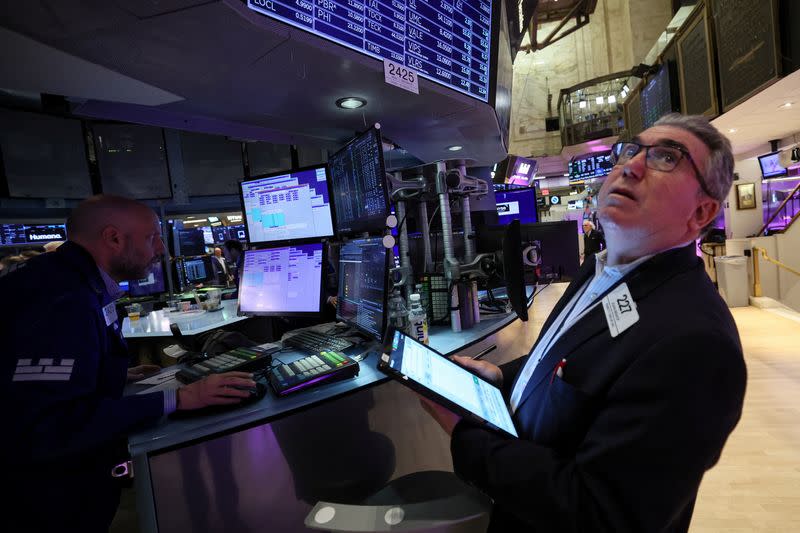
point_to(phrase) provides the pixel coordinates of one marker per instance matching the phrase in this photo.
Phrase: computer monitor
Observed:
(194, 270)
(516, 204)
(153, 283)
(208, 235)
(771, 166)
(191, 242)
(358, 178)
(283, 281)
(287, 206)
(513, 270)
(363, 285)
(31, 234)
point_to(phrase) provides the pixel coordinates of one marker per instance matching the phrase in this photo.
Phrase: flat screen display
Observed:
(444, 41)
(363, 276)
(282, 281)
(438, 374)
(358, 180)
(590, 166)
(27, 234)
(771, 166)
(191, 242)
(656, 97)
(522, 171)
(287, 206)
(516, 204)
(193, 270)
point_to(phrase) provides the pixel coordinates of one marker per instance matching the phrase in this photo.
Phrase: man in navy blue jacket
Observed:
(638, 376)
(63, 367)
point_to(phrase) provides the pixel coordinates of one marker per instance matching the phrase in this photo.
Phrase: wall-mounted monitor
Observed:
(589, 166)
(448, 43)
(659, 96)
(282, 281)
(771, 165)
(31, 234)
(516, 204)
(287, 206)
(358, 180)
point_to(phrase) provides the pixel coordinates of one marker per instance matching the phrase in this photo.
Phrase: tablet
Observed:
(436, 377)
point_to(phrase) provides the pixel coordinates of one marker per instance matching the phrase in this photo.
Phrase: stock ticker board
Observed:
(445, 41)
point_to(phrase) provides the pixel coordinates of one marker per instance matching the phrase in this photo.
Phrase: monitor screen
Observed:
(193, 270)
(448, 43)
(516, 204)
(152, 284)
(191, 242)
(657, 97)
(287, 206)
(771, 166)
(589, 166)
(27, 234)
(363, 278)
(208, 235)
(285, 281)
(359, 185)
(522, 171)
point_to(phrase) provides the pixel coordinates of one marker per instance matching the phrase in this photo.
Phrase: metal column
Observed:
(450, 261)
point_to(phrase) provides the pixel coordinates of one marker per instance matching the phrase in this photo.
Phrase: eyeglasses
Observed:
(657, 157)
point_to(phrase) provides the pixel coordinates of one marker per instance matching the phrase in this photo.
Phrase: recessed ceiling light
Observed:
(351, 102)
(732, 130)
(787, 105)
(455, 148)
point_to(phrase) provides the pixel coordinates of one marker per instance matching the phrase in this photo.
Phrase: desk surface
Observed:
(172, 432)
(156, 323)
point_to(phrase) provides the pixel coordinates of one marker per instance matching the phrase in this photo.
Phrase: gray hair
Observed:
(718, 173)
(591, 224)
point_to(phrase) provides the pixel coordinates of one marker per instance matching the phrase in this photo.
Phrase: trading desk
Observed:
(156, 323)
(265, 465)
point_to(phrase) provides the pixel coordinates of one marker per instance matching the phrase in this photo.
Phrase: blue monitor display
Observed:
(358, 177)
(285, 281)
(363, 278)
(771, 166)
(287, 206)
(193, 270)
(28, 234)
(516, 204)
(444, 41)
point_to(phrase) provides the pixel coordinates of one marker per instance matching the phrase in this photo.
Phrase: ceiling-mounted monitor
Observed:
(446, 42)
(771, 166)
(358, 182)
(287, 206)
(589, 166)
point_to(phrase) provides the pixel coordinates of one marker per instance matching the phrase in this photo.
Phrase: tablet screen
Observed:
(444, 377)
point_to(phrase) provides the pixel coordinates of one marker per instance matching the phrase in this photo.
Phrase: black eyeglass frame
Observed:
(684, 153)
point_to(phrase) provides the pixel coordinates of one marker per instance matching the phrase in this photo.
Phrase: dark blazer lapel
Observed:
(641, 282)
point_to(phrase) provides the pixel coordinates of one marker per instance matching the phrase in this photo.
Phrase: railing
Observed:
(756, 272)
(789, 211)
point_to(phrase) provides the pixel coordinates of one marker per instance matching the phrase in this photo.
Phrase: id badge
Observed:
(620, 309)
(110, 314)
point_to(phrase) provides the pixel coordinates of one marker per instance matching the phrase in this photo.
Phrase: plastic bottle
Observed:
(417, 319)
(398, 315)
(424, 302)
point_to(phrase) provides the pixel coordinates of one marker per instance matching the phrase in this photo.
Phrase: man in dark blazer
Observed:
(592, 240)
(638, 376)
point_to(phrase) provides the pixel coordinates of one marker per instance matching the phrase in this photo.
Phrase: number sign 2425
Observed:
(400, 76)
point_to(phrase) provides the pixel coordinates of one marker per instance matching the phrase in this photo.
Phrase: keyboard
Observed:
(238, 359)
(310, 341)
(311, 371)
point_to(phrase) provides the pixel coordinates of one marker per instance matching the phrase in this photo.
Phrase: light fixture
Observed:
(351, 102)
(623, 95)
(599, 100)
(787, 105)
(625, 87)
(732, 130)
(582, 104)
(455, 148)
(612, 99)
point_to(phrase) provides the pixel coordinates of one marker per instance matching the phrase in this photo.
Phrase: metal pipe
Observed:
(469, 250)
(450, 261)
(402, 246)
(425, 228)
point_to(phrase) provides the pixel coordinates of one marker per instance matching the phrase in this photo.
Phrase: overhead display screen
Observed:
(445, 41)
(24, 234)
(588, 167)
